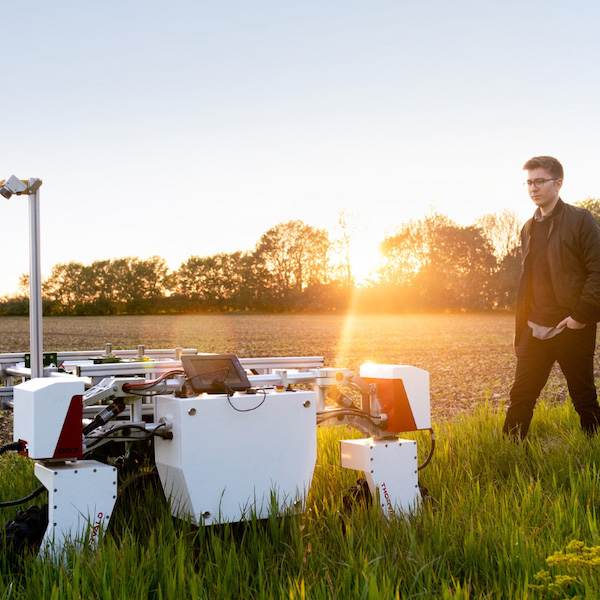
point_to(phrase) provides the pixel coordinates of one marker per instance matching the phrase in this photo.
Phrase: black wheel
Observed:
(26, 530)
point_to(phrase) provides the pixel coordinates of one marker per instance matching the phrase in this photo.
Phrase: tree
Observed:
(503, 230)
(347, 228)
(445, 265)
(591, 204)
(66, 287)
(293, 255)
(106, 286)
(216, 280)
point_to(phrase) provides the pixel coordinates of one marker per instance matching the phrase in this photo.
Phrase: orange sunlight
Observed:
(365, 257)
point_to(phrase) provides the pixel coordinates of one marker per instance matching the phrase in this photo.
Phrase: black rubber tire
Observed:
(26, 530)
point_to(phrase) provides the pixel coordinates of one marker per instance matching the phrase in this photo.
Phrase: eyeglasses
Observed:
(537, 183)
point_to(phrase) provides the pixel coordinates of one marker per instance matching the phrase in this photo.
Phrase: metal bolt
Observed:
(306, 404)
(206, 515)
(192, 412)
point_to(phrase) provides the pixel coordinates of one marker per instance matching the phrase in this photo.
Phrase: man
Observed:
(558, 303)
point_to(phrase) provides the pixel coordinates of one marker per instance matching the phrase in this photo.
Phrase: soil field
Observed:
(469, 357)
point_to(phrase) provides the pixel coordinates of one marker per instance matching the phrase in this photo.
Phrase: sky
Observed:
(191, 127)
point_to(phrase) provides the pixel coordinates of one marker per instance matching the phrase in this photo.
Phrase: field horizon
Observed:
(469, 356)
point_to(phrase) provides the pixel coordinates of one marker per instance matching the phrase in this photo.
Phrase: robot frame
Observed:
(230, 435)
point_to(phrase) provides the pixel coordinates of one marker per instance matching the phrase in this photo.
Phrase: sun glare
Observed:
(365, 257)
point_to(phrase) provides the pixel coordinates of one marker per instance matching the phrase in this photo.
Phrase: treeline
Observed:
(431, 264)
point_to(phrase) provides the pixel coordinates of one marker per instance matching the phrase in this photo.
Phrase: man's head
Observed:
(544, 180)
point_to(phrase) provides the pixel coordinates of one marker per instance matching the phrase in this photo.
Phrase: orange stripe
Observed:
(394, 403)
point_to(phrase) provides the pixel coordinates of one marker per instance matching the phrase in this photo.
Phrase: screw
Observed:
(192, 412)
(306, 404)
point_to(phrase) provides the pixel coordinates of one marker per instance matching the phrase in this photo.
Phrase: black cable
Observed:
(108, 434)
(12, 446)
(431, 432)
(31, 496)
(146, 392)
(18, 445)
(148, 385)
(247, 409)
(346, 412)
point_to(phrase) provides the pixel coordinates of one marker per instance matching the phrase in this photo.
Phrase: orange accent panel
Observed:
(394, 403)
(71, 438)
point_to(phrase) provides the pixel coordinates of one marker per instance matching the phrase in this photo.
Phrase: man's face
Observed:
(544, 195)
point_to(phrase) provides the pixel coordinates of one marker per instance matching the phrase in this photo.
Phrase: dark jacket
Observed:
(574, 261)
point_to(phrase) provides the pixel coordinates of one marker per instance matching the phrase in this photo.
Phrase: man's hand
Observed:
(570, 323)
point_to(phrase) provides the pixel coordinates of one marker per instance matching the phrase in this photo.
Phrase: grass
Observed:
(499, 509)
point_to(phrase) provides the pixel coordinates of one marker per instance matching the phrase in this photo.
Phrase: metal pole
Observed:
(35, 287)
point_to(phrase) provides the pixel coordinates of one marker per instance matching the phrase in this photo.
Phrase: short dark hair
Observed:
(545, 162)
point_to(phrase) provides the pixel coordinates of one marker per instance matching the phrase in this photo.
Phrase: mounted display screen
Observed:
(215, 373)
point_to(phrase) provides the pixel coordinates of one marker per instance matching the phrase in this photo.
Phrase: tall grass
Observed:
(498, 510)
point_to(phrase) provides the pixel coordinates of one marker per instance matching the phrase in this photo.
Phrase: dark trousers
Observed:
(574, 351)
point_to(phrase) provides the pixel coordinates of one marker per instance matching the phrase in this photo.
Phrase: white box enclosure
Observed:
(225, 465)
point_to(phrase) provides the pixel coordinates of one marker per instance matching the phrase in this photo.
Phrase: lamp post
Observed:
(31, 187)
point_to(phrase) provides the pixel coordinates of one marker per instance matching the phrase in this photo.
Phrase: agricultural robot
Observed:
(233, 438)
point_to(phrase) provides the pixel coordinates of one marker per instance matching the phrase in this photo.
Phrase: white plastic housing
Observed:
(81, 498)
(40, 410)
(390, 466)
(224, 466)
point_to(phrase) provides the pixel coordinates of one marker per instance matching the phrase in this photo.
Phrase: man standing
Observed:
(558, 303)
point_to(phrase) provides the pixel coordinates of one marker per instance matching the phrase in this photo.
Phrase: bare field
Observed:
(469, 357)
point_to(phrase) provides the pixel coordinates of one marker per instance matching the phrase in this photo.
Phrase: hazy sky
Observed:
(191, 127)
